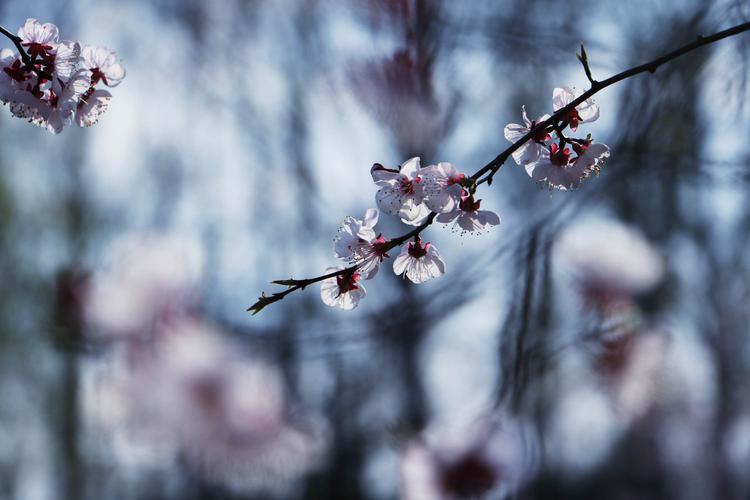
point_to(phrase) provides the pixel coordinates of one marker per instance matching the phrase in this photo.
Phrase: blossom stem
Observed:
(24, 56)
(489, 170)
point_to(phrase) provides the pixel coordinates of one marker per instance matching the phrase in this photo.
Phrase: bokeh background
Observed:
(245, 130)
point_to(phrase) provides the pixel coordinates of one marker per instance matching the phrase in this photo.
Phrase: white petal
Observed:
(400, 262)
(562, 96)
(67, 59)
(414, 214)
(410, 168)
(390, 199)
(371, 217)
(487, 217)
(514, 132)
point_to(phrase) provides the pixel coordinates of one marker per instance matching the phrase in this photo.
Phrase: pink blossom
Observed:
(469, 217)
(531, 150)
(39, 39)
(196, 397)
(357, 243)
(343, 291)
(485, 459)
(556, 168)
(586, 112)
(401, 191)
(442, 187)
(419, 262)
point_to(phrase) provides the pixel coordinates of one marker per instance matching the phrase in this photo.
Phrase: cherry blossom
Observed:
(104, 67)
(343, 291)
(357, 243)
(586, 112)
(469, 217)
(62, 82)
(488, 458)
(401, 191)
(531, 150)
(54, 109)
(40, 39)
(197, 397)
(419, 262)
(442, 187)
(103, 64)
(559, 170)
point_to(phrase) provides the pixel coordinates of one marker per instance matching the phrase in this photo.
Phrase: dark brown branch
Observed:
(492, 167)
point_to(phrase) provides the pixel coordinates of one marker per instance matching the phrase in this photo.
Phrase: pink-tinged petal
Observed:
(514, 132)
(92, 107)
(410, 168)
(34, 32)
(588, 111)
(329, 292)
(448, 217)
(371, 217)
(468, 223)
(540, 169)
(526, 120)
(383, 177)
(487, 217)
(444, 201)
(561, 97)
(400, 262)
(528, 153)
(67, 58)
(414, 214)
(115, 74)
(390, 199)
(7, 57)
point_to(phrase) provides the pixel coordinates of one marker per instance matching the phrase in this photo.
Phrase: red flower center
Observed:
(417, 250)
(468, 204)
(559, 157)
(347, 282)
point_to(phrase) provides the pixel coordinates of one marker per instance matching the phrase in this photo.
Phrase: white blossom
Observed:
(531, 150)
(357, 243)
(401, 191)
(586, 112)
(468, 216)
(419, 262)
(343, 291)
(556, 168)
(442, 187)
(488, 458)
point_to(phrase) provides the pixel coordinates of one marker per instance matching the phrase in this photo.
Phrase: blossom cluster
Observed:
(412, 193)
(57, 81)
(551, 162)
(174, 388)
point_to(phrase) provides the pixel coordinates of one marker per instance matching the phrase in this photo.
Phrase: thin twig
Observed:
(490, 169)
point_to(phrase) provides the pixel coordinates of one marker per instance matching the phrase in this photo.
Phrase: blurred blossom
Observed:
(636, 373)
(197, 398)
(609, 263)
(485, 459)
(150, 281)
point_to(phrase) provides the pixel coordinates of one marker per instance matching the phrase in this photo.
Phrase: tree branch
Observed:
(490, 169)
